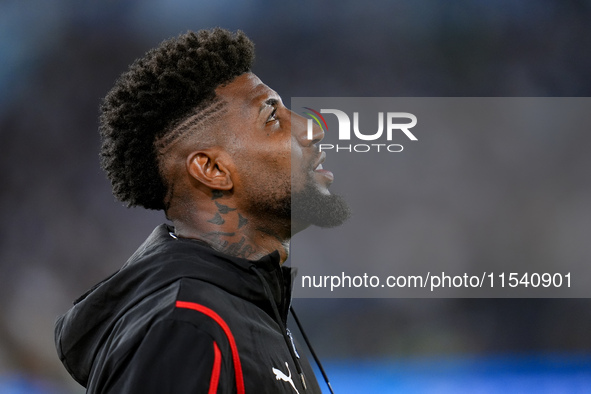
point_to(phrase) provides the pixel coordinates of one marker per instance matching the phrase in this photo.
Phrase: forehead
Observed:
(247, 91)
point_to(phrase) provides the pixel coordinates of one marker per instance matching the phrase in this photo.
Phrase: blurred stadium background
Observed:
(63, 231)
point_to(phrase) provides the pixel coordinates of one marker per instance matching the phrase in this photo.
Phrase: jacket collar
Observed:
(158, 262)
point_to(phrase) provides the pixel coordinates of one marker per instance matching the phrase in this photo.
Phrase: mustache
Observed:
(316, 159)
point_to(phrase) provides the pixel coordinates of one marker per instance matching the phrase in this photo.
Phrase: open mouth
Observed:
(320, 170)
(320, 161)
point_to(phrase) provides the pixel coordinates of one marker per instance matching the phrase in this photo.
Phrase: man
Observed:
(201, 306)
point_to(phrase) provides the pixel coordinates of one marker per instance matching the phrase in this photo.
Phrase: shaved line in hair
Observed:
(202, 116)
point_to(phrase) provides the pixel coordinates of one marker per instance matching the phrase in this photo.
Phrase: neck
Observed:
(227, 230)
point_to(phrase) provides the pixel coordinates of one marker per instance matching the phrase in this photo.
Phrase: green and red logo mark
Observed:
(316, 116)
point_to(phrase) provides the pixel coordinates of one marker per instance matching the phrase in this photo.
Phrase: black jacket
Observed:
(180, 318)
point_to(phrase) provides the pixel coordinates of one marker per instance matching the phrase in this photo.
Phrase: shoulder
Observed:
(168, 303)
(157, 318)
(186, 301)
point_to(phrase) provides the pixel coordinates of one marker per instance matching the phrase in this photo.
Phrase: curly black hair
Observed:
(168, 84)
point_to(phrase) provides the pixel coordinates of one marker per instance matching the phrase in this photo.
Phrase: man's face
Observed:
(274, 160)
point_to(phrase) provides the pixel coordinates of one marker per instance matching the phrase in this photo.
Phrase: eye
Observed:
(273, 116)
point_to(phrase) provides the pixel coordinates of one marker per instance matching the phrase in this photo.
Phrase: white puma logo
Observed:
(279, 375)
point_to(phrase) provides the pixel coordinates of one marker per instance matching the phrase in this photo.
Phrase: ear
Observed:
(209, 167)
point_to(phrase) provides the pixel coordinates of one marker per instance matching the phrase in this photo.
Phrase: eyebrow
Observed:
(272, 102)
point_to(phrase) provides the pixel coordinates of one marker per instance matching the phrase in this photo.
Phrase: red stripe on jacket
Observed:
(231, 340)
(215, 372)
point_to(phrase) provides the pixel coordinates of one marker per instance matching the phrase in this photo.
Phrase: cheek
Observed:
(295, 149)
(267, 164)
(299, 178)
(266, 170)
(298, 170)
(279, 159)
(297, 158)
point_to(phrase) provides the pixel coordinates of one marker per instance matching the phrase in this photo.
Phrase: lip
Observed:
(319, 170)
(326, 174)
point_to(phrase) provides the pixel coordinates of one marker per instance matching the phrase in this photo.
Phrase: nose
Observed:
(301, 127)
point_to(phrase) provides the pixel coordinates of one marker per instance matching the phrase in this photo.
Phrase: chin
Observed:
(313, 207)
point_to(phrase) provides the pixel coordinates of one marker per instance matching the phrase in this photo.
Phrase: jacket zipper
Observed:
(285, 332)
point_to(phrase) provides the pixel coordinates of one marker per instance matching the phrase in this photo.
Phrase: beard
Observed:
(303, 208)
(311, 207)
